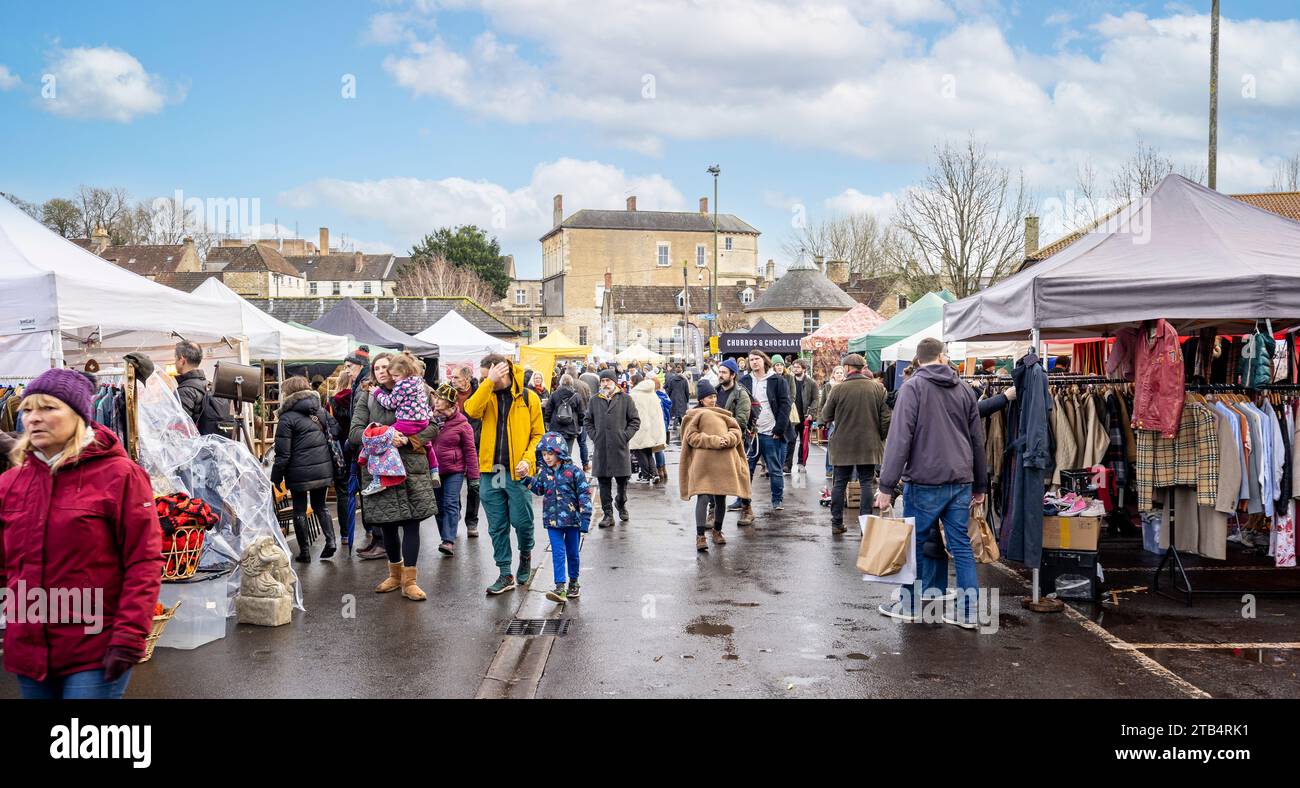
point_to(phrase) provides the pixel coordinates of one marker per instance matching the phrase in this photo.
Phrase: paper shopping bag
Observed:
(983, 545)
(887, 553)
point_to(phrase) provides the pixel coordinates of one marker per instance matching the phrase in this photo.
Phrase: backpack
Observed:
(564, 417)
(212, 419)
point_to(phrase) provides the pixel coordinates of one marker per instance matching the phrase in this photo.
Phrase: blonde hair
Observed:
(71, 450)
(405, 365)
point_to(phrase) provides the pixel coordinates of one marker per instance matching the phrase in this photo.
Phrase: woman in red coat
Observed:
(80, 538)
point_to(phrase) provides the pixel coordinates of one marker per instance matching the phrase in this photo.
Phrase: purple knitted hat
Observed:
(69, 387)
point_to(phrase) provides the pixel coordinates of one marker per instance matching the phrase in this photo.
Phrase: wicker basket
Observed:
(181, 560)
(159, 624)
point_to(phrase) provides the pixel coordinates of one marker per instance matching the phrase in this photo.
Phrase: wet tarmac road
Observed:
(779, 611)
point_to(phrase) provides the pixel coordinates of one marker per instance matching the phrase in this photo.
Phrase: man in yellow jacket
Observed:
(512, 426)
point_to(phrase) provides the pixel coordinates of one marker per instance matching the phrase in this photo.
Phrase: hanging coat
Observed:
(1159, 393)
(1031, 458)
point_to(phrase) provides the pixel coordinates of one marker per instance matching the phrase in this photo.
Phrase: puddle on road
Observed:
(856, 655)
(709, 628)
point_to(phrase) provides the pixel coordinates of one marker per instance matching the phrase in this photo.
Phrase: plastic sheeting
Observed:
(216, 469)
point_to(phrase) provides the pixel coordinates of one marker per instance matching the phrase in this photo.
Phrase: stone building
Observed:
(803, 299)
(149, 260)
(636, 248)
(522, 305)
(652, 315)
(258, 271)
(354, 274)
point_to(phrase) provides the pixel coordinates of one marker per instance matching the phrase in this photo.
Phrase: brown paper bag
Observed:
(885, 541)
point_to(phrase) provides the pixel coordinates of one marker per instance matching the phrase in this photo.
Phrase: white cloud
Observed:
(8, 79)
(849, 201)
(410, 207)
(859, 77)
(104, 83)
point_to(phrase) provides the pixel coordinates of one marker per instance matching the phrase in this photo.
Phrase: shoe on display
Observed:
(1077, 507)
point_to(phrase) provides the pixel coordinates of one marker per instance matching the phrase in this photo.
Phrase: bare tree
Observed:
(434, 276)
(31, 209)
(860, 239)
(965, 222)
(1144, 170)
(106, 208)
(62, 216)
(1286, 178)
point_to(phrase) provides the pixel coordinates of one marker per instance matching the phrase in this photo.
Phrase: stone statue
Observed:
(266, 587)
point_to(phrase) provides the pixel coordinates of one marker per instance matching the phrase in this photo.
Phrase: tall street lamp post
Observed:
(715, 171)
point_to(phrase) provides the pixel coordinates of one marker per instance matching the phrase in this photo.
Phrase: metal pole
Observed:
(686, 307)
(713, 283)
(1214, 94)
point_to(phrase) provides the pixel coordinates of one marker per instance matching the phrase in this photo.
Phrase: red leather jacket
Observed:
(1159, 393)
(92, 525)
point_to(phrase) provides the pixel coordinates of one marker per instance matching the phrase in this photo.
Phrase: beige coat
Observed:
(713, 455)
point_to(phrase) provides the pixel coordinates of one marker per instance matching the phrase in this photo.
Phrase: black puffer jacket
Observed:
(302, 452)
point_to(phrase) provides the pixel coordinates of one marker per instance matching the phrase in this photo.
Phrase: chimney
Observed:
(820, 263)
(358, 262)
(1031, 236)
(771, 271)
(557, 211)
(704, 205)
(324, 240)
(631, 203)
(99, 239)
(609, 282)
(838, 272)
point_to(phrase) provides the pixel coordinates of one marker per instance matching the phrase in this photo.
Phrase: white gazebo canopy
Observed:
(56, 297)
(638, 353)
(460, 343)
(270, 339)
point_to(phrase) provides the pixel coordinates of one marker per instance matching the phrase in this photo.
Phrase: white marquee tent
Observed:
(270, 339)
(460, 342)
(59, 300)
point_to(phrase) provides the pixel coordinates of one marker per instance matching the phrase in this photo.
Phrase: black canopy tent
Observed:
(762, 336)
(350, 319)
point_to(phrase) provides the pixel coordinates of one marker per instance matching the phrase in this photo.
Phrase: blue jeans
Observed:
(565, 543)
(661, 459)
(948, 505)
(829, 432)
(773, 451)
(87, 685)
(448, 496)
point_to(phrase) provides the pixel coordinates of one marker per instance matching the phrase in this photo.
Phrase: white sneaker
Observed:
(895, 610)
(959, 623)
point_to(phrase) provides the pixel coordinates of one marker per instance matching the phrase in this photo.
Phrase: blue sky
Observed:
(479, 112)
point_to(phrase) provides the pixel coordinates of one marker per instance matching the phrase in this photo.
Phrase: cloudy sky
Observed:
(386, 120)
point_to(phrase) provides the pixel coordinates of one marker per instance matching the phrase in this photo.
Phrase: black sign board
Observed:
(738, 343)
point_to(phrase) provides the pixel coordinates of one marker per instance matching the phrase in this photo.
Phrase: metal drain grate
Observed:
(533, 627)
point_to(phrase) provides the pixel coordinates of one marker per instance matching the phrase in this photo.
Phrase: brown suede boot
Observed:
(746, 516)
(394, 580)
(717, 537)
(701, 543)
(409, 589)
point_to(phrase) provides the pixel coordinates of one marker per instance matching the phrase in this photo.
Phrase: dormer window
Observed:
(747, 295)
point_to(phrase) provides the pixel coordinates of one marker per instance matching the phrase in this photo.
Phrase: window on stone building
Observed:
(521, 298)
(747, 296)
(582, 335)
(337, 288)
(699, 255)
(812, 320)
(681, 300)
(728, 243)
(662, 260)
(312, 288)
(366, 288)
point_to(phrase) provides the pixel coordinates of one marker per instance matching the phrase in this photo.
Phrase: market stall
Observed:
(461, 344)
(760, 336)
(639, 354)
(60, 304)
(1196, 288)
(925, 312)
(830, 342)
(350, 319)
(541, 356)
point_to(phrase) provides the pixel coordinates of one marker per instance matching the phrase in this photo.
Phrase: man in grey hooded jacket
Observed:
(936, 441)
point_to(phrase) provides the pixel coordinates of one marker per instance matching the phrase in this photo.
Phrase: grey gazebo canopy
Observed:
(1183, 252)
(350, 319)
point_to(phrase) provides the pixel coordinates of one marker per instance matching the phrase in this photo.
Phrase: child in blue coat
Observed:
(566, 510)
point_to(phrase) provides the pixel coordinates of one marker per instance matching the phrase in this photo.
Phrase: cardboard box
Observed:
(853, 495)
(1071, 533)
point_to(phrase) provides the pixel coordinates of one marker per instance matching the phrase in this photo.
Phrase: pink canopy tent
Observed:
(831, 341)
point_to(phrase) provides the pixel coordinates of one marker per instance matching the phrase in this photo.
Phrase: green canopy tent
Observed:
(924, 313)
